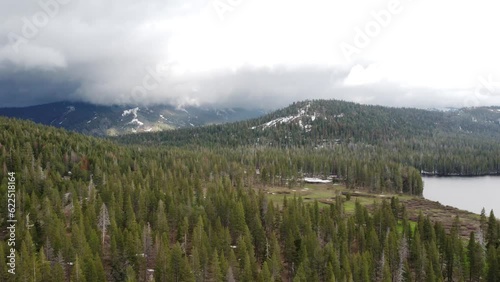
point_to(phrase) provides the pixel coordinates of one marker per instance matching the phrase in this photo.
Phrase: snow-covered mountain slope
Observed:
(116, 120)
(327, 123)
(304, 117)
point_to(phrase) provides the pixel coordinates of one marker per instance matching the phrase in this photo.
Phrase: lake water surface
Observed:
(466, 193)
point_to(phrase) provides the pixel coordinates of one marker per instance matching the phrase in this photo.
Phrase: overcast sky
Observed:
(250, 53)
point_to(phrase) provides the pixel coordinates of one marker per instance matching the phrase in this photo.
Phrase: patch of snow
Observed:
(191, 124)
(92, 120)
(149, 129)
(280, 120)
(300, 113)
(182, 109)
(130, 111)
(339, 116)
(135, 120)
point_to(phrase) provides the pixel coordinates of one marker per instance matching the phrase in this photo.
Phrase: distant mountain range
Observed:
(332, 121)
(100, 120)
(462, 142)
(305, 122)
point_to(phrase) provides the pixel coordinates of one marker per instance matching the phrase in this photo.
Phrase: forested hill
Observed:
(454, 142)
(321, 122)
(90, 210)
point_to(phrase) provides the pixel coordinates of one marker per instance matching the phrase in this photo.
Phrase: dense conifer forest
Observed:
(456, 142)
(189, 205)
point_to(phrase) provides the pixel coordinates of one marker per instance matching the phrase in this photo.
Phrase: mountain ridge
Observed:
(462, 142)
(301, 122)
(99, 120)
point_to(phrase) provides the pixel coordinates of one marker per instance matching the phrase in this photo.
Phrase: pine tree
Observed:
(238, 219)
(300, 274)
(330, 274)
(224, 265)
(274, 262)
(483, 221)
(147, 247)
(246, 272)
(130, 220)
(161, 218)
(100, 273)
(162, 268)
(476, 259)
(265, 274)
(131, 276)
(492, 274)
(44, 265)
(492, 231)
(58, 273)
(77, 273)
(215, 273)
(179, 266)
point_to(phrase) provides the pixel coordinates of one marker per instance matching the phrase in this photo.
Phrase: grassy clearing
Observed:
(323, 193)
(309, 193)
(326, 193)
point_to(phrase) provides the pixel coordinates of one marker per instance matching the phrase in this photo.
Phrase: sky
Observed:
(250, 53)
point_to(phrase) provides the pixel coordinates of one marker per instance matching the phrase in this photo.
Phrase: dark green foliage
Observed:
(493, 273)
(459, 142)
(199, 214)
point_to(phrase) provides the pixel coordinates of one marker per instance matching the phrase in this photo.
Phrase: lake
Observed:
(466, 193)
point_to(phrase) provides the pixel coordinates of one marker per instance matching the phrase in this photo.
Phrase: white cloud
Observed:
(32, 57)
(284, 49)
(361, 76)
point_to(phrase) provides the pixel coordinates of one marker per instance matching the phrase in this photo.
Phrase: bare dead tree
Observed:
(103, 221)
(403, 255)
